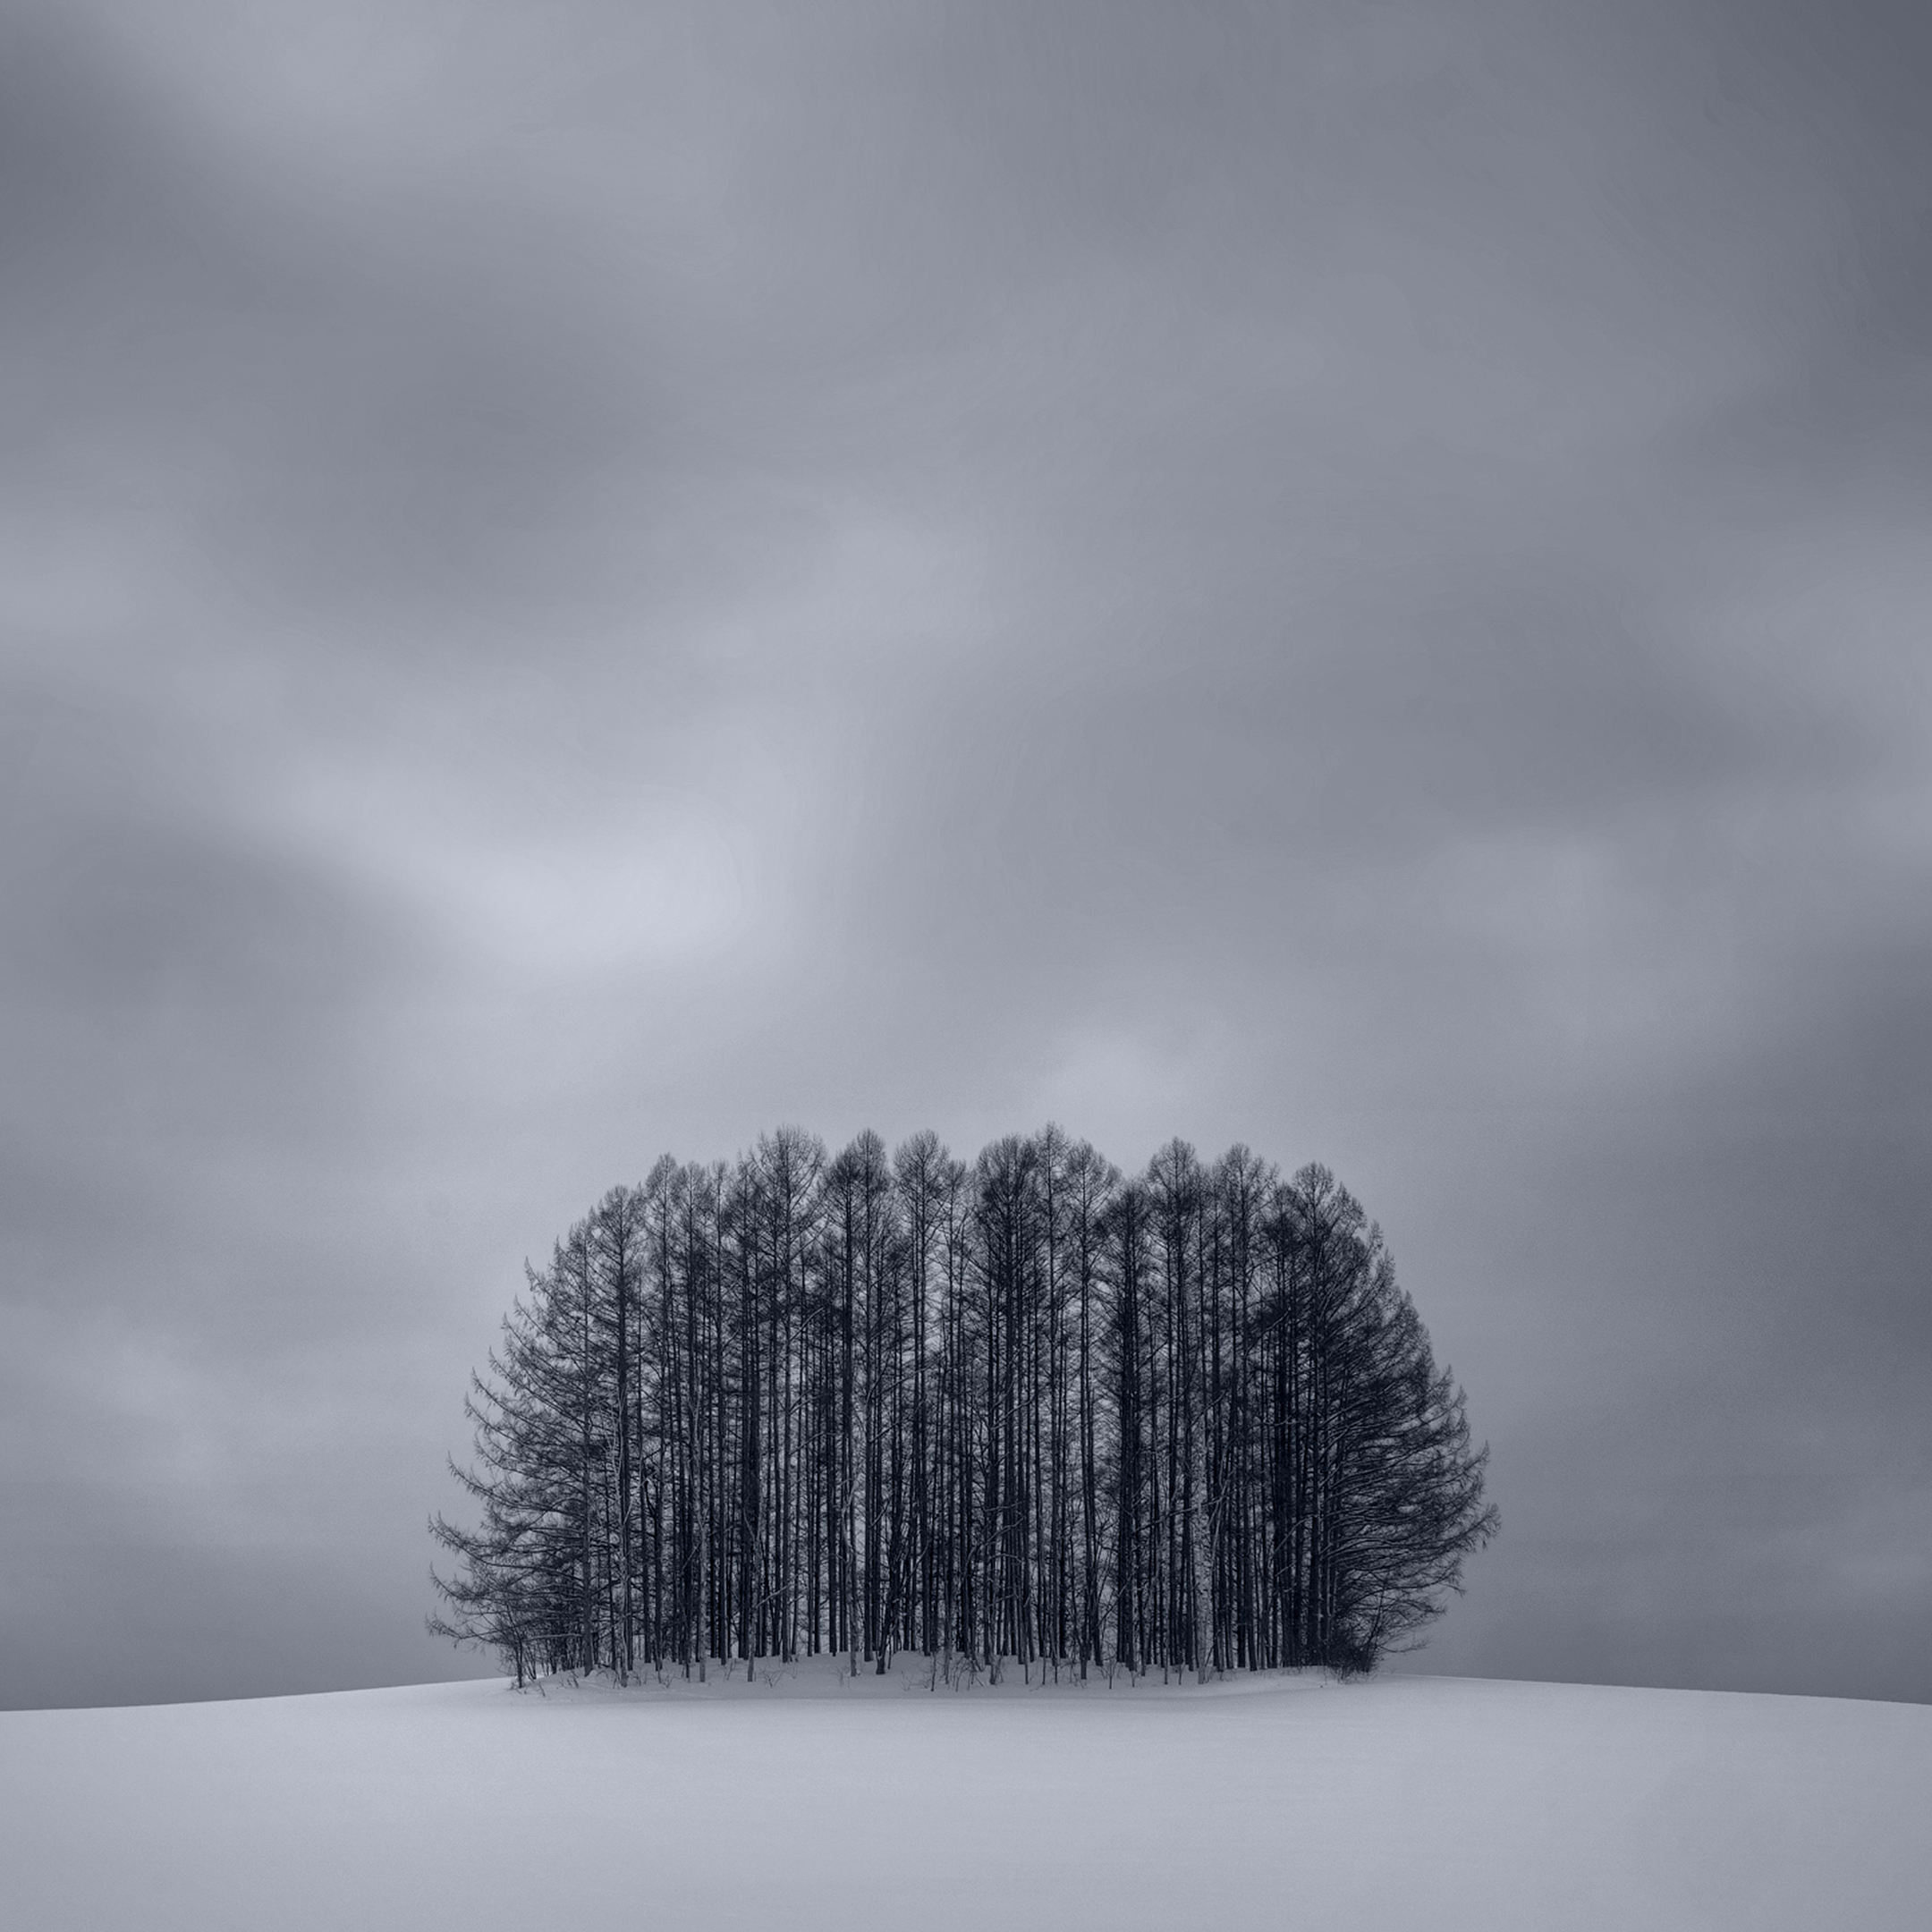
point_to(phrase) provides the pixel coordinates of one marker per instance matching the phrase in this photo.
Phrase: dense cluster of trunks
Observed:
(1026, 1415)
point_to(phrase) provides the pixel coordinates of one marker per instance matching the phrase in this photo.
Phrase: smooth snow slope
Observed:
(1404, 1803)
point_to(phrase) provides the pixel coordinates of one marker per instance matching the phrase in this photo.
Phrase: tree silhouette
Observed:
(1026, 1416)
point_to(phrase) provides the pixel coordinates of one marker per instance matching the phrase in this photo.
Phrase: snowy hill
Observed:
(1285, 1803)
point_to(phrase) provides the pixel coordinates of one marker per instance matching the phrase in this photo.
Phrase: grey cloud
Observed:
(327, 401)
(585, 583)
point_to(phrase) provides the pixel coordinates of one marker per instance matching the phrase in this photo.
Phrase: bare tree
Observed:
(1024, 1413)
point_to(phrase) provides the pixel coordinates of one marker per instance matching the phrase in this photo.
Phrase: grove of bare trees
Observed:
(1025, 1416)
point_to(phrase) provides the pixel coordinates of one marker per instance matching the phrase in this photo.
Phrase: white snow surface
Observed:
(1284, 1801)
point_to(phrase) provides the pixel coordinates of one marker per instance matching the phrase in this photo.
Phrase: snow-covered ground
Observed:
(1291, 1802)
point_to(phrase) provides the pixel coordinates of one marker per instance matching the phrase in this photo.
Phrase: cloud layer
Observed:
(585, 582)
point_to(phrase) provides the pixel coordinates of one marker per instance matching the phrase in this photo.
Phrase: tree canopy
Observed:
(1027, 1414)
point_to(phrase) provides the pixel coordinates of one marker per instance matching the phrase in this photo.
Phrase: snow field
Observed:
(1282, 1803)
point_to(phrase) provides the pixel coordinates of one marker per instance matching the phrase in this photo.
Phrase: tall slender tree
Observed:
(1022, 1415)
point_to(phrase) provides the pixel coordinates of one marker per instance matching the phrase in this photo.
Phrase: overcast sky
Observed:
(581, 581)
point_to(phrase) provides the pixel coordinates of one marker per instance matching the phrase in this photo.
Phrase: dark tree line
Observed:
(1025, 1414)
